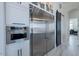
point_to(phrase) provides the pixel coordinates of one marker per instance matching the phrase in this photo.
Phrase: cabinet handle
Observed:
(18, 53)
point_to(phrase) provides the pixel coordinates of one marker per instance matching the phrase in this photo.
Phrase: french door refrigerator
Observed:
(42, 37)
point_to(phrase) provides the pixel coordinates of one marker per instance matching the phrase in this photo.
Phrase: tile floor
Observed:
(71, 48)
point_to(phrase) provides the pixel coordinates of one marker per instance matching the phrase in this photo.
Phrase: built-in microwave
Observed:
(14, 34)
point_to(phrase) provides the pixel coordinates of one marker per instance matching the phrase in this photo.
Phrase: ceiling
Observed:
(69, 6)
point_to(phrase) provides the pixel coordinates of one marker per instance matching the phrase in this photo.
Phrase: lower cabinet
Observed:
(25, 48)
(18, 49)
(12, 49)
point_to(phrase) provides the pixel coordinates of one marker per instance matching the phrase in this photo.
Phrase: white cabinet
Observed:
(18, 49)
(2, 30)
(17, 14)
(26, 48)
(12, 49)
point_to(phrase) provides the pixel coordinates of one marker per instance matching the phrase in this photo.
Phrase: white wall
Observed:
(65, 27)
(2, 30)
(74, 13)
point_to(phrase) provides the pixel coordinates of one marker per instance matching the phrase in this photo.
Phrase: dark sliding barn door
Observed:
(58, 28)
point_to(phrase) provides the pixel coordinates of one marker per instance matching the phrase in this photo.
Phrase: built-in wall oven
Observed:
(14, 33)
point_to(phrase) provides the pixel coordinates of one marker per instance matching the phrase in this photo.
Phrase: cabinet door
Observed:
(25, 48)
(18, 49)
(50, 36)
(12, 49)
(17, 14)
(50, 41)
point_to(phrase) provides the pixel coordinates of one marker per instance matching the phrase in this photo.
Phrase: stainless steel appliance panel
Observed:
(39, 44)
(50, 41)
(38, 39)
(42, 39)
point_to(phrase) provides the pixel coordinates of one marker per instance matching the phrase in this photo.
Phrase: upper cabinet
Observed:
(38, 14)
(17, 13)
(47, 6)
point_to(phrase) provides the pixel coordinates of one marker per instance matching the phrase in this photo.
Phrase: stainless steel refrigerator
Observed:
(42, 35)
